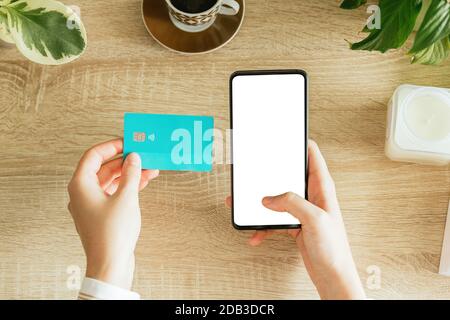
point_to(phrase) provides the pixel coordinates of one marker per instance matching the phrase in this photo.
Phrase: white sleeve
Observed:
(92, 289)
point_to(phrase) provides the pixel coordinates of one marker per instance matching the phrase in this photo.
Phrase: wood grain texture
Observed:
(394, 212)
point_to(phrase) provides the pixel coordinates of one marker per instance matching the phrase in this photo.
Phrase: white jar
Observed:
(418, 125)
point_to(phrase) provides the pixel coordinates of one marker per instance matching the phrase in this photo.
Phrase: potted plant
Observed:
(44, 31)
(399, 18)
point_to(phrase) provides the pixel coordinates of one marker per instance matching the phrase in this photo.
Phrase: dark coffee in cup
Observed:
(199, 15)
(193, 6)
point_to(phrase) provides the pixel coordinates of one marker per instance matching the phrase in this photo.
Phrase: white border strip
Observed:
(444, 266)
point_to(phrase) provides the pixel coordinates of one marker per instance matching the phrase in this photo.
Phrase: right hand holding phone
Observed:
(322, 240)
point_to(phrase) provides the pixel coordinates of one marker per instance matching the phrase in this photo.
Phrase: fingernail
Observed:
(134, 159)
(155, 174)
(267, 200)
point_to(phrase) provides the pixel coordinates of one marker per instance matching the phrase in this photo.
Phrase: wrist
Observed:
(119, 273)
(345, 285)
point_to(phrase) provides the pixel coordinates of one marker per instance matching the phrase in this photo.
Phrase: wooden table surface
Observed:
(394, 212)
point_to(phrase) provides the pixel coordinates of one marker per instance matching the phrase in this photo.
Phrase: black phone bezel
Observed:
(267, 72)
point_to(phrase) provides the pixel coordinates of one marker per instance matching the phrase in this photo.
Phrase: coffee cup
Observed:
(199, 15)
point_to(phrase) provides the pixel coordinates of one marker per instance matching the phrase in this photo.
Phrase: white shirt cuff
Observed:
(93, 289)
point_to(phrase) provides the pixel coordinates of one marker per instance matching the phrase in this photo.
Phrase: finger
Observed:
(258, 237)
(112, 188)
(131, 174)
(294, 232)
(146, 176)
(290, 202)
(109, 172)
(228, 201)
(92, 160)
(318, 171)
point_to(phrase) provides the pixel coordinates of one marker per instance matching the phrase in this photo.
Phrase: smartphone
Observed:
(269, 143)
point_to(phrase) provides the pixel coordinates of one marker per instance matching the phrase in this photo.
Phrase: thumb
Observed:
(131, 174)
(292, 203)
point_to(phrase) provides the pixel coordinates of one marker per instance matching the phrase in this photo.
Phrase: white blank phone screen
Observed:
(268, 121)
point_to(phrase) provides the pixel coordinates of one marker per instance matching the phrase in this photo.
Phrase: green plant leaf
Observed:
(366, 29)
(3, 17)
(435, 26)
(43, 32)
(5, 35)
(352, 4)
(397, 22)
(434, 54)
(6, 2)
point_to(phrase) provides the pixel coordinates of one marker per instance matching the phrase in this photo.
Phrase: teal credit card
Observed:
(170, 142)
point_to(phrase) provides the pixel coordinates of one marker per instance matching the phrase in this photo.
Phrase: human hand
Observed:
(321, 240)
(104, 205)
